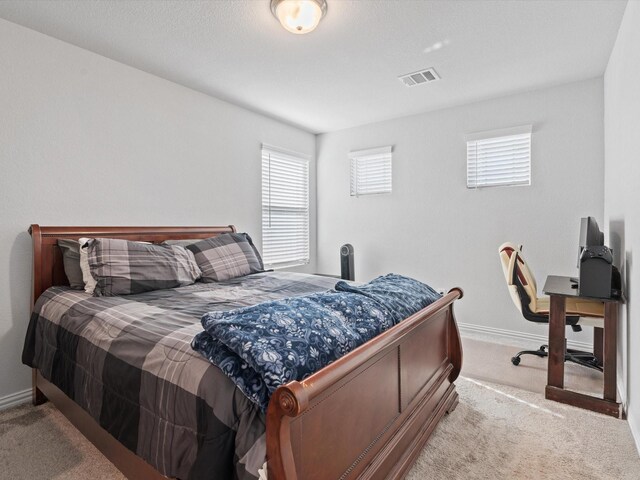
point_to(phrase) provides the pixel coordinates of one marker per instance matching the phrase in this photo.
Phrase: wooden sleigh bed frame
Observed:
(365, 416)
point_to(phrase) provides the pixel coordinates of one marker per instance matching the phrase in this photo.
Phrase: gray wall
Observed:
(621, 198)
(434, 228)
(86, 140)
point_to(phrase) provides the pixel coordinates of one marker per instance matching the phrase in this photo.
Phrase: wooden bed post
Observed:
(287, 401)
(37, 397)
(36, 239)
(455, 345)
(455, 349)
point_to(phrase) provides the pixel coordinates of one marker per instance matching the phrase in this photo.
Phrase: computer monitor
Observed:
(590, 235)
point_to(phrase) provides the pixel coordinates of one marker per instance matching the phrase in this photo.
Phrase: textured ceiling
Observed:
(345, 73)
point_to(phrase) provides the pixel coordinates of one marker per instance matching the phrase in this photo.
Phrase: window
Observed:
(371, 171)
(285, 208)
(500, 157)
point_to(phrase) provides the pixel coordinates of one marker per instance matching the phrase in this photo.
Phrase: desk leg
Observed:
(555, 366)
(610, 353)
(598, 344)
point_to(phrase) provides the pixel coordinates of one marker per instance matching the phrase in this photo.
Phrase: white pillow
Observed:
(89, 281)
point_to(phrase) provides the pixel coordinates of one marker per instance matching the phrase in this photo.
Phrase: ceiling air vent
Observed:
(424, 76)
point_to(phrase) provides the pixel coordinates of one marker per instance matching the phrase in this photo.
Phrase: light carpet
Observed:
(40, 443)
(496, 432)
(491, 362)
(500, 432)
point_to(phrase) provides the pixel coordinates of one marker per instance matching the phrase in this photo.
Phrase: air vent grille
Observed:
(417, 78)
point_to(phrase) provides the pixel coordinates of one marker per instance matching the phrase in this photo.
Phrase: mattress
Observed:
(128, 362)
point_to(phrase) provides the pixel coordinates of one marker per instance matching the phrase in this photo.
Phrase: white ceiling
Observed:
(345, 73)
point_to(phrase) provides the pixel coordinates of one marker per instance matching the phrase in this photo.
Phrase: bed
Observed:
(367, 415)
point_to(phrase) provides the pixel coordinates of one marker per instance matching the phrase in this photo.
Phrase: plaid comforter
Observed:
(128, 362)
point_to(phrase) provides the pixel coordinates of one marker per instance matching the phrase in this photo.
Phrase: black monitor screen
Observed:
(590, 235)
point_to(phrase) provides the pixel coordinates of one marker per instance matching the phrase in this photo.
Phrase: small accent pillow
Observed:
(71, 261)
(226, 256)
(121, 267)
(89, 281)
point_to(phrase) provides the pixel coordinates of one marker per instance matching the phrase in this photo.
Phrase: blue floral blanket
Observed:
(270, 344)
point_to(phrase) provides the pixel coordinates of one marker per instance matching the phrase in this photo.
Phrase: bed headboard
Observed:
(48, 268)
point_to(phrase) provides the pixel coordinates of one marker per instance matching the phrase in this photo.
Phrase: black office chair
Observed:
(524, 293)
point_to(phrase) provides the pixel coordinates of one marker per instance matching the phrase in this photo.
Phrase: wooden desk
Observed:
(558, 289)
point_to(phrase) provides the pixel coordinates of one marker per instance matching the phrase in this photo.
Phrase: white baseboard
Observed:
(468, 329)
(635, 433)
(14, 399)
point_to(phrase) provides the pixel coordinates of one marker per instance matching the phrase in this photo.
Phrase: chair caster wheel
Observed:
(515, 361)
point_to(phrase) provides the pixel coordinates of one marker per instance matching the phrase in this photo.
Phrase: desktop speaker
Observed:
(347, 271)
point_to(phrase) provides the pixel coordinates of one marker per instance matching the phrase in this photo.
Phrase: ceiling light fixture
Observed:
(299, 16)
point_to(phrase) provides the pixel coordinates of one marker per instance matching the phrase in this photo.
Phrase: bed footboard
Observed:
(368, 415)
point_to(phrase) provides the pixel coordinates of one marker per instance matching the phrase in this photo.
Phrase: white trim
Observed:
(622, 389)
(283, 151)
(503, 132)
(513, 335)
(635, 433)
(296, 263)
(14, 399)
(371, 151)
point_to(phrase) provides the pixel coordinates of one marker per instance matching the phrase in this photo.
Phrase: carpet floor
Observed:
(491, 362)
(40, 443)
(497, 432)
(502, 432)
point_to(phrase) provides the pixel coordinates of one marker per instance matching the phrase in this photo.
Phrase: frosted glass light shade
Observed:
(299, 16)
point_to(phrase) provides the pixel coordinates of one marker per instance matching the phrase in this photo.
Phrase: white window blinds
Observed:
(285, 208)
(371, 171)
(499, 157)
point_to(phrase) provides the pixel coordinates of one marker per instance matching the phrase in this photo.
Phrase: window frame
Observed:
(518, 137)
(358, 157)
(271, 154)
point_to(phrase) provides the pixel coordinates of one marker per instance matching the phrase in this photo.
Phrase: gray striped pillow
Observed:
(226, 256)
(121, 267)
